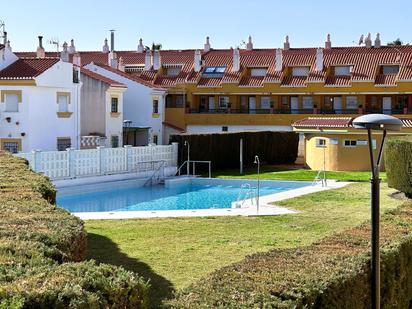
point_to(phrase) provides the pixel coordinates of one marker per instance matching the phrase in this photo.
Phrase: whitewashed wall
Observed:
(102, 161)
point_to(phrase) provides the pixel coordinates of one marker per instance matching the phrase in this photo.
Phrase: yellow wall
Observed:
(176, 117)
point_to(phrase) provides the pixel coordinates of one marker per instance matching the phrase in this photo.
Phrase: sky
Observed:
(181, 24)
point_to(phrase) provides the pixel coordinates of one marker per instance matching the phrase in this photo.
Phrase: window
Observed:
(155, 139)
(225, 129)
(390, 69)
(343, 70)
(115, 105)
(307, 102)
(265, 102)
(169, 101)
(63, 103)
(115, 141)
(63, 143)
(12, 102)
(300, 71)
(258, 71)
(12, 147)
(173, 71)
(155, 106)
(351, 102)
(349, 143)
(321, 142)
(214, 71)
(402, 101)
(285, 102)
(223, 102)
(179, 101)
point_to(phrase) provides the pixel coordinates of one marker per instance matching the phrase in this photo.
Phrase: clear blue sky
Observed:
(185, 24)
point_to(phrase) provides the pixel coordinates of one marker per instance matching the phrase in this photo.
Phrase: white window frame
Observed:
(258, 71)
(390, 69)
(63, 103)
(173, 71)
(11, 107)
(223, 102)
(300, 71)
(342, 70)
(321, 142)
(265, 102)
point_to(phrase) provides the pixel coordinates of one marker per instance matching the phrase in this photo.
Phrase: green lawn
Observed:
(172, 253)
(288, 173)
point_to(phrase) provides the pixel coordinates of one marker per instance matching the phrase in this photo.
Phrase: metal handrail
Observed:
(178, 172)
(250, 194)
(162, 165)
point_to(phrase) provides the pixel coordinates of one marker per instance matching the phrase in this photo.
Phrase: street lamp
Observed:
(257, 161)
(188, 157)
(382, 123)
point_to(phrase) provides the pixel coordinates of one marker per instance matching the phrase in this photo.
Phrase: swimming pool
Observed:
(198, 193)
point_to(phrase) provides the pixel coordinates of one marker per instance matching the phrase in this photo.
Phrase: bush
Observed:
(398, 163)
(333, 273)
(39, 245)
(223, 148)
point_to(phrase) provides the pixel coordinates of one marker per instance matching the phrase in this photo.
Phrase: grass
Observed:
(176, 252)
(292, 173)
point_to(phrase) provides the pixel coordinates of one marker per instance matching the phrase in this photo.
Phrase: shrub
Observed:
(223, 148)
(332, 273)
(39, 245)
(398, 163)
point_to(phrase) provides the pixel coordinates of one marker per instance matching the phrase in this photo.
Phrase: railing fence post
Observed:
(101, 160)
(72, 162)
(175, 148)
(36, 160)
(127, 150)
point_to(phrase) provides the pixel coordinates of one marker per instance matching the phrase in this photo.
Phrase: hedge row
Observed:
(333, 273)
(223, 148)
(40, 245)
(398, 164)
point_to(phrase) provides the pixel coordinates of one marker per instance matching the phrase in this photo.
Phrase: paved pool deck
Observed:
(266, 207)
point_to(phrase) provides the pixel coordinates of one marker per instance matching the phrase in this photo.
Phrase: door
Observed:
(294, 105)
(252, 105)
(244, 104)
(211, 104)
(387, 105)
(337, 105)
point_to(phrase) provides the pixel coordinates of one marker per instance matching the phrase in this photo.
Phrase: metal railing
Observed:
(193, 162)
(158, 172)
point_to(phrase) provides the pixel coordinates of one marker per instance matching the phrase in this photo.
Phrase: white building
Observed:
(39, 102)
(143, 109)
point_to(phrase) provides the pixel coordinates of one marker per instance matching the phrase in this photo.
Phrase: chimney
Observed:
(378, 41)
(236, 60)
(76, 59)
(105, 47)
(368, 41)
(8, 46)
(197, 61)
(121, 64)
(286, 44)
(157, 61)
(207, 45)
(112, 59)
(148, 60)
(72, 49)
(111, 40)
(319, 59)
(140, 47)
(328, 43)
(40, 50)
(249, 45)
(64, 55)
(278, 60)
(4, 37)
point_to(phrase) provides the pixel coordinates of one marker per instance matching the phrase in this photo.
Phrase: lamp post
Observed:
(382, 123)
(188, 157)
(257, 161)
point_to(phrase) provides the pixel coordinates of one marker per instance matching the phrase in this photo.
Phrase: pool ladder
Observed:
(250, 194)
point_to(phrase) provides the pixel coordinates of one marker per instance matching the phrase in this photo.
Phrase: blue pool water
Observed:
(188, 196)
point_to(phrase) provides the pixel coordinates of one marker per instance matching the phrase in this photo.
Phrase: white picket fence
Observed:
(101, 161)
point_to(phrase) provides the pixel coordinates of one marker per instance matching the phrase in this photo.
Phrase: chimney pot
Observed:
(64, 55)
(140, 47)
(286, 44)
(148, 60)
(111, 40)
(106, 47)
(207, 45)
(72, 48)
(40, 50)
(328, 43)
(319, 60)
(76, 59)
(249, 45)
(378, 40)
(236, 60)
(197, 61)
(121, 64)
(112, 59)
(368, 41)
(278, 60)
(157, 61)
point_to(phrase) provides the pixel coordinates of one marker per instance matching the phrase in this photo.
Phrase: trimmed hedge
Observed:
(398, 164)
(333, 273)
(223, 148)
(39, 244)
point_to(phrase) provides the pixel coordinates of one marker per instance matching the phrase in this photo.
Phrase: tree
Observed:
(397, 42)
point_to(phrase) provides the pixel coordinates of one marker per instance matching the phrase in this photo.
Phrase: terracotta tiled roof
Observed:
(386, 80)
(335, 80)
(324, 122)
(251, 81)
(294, 81)
(407, 123)
(102, 78)
(27, 68)
(209, 82)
